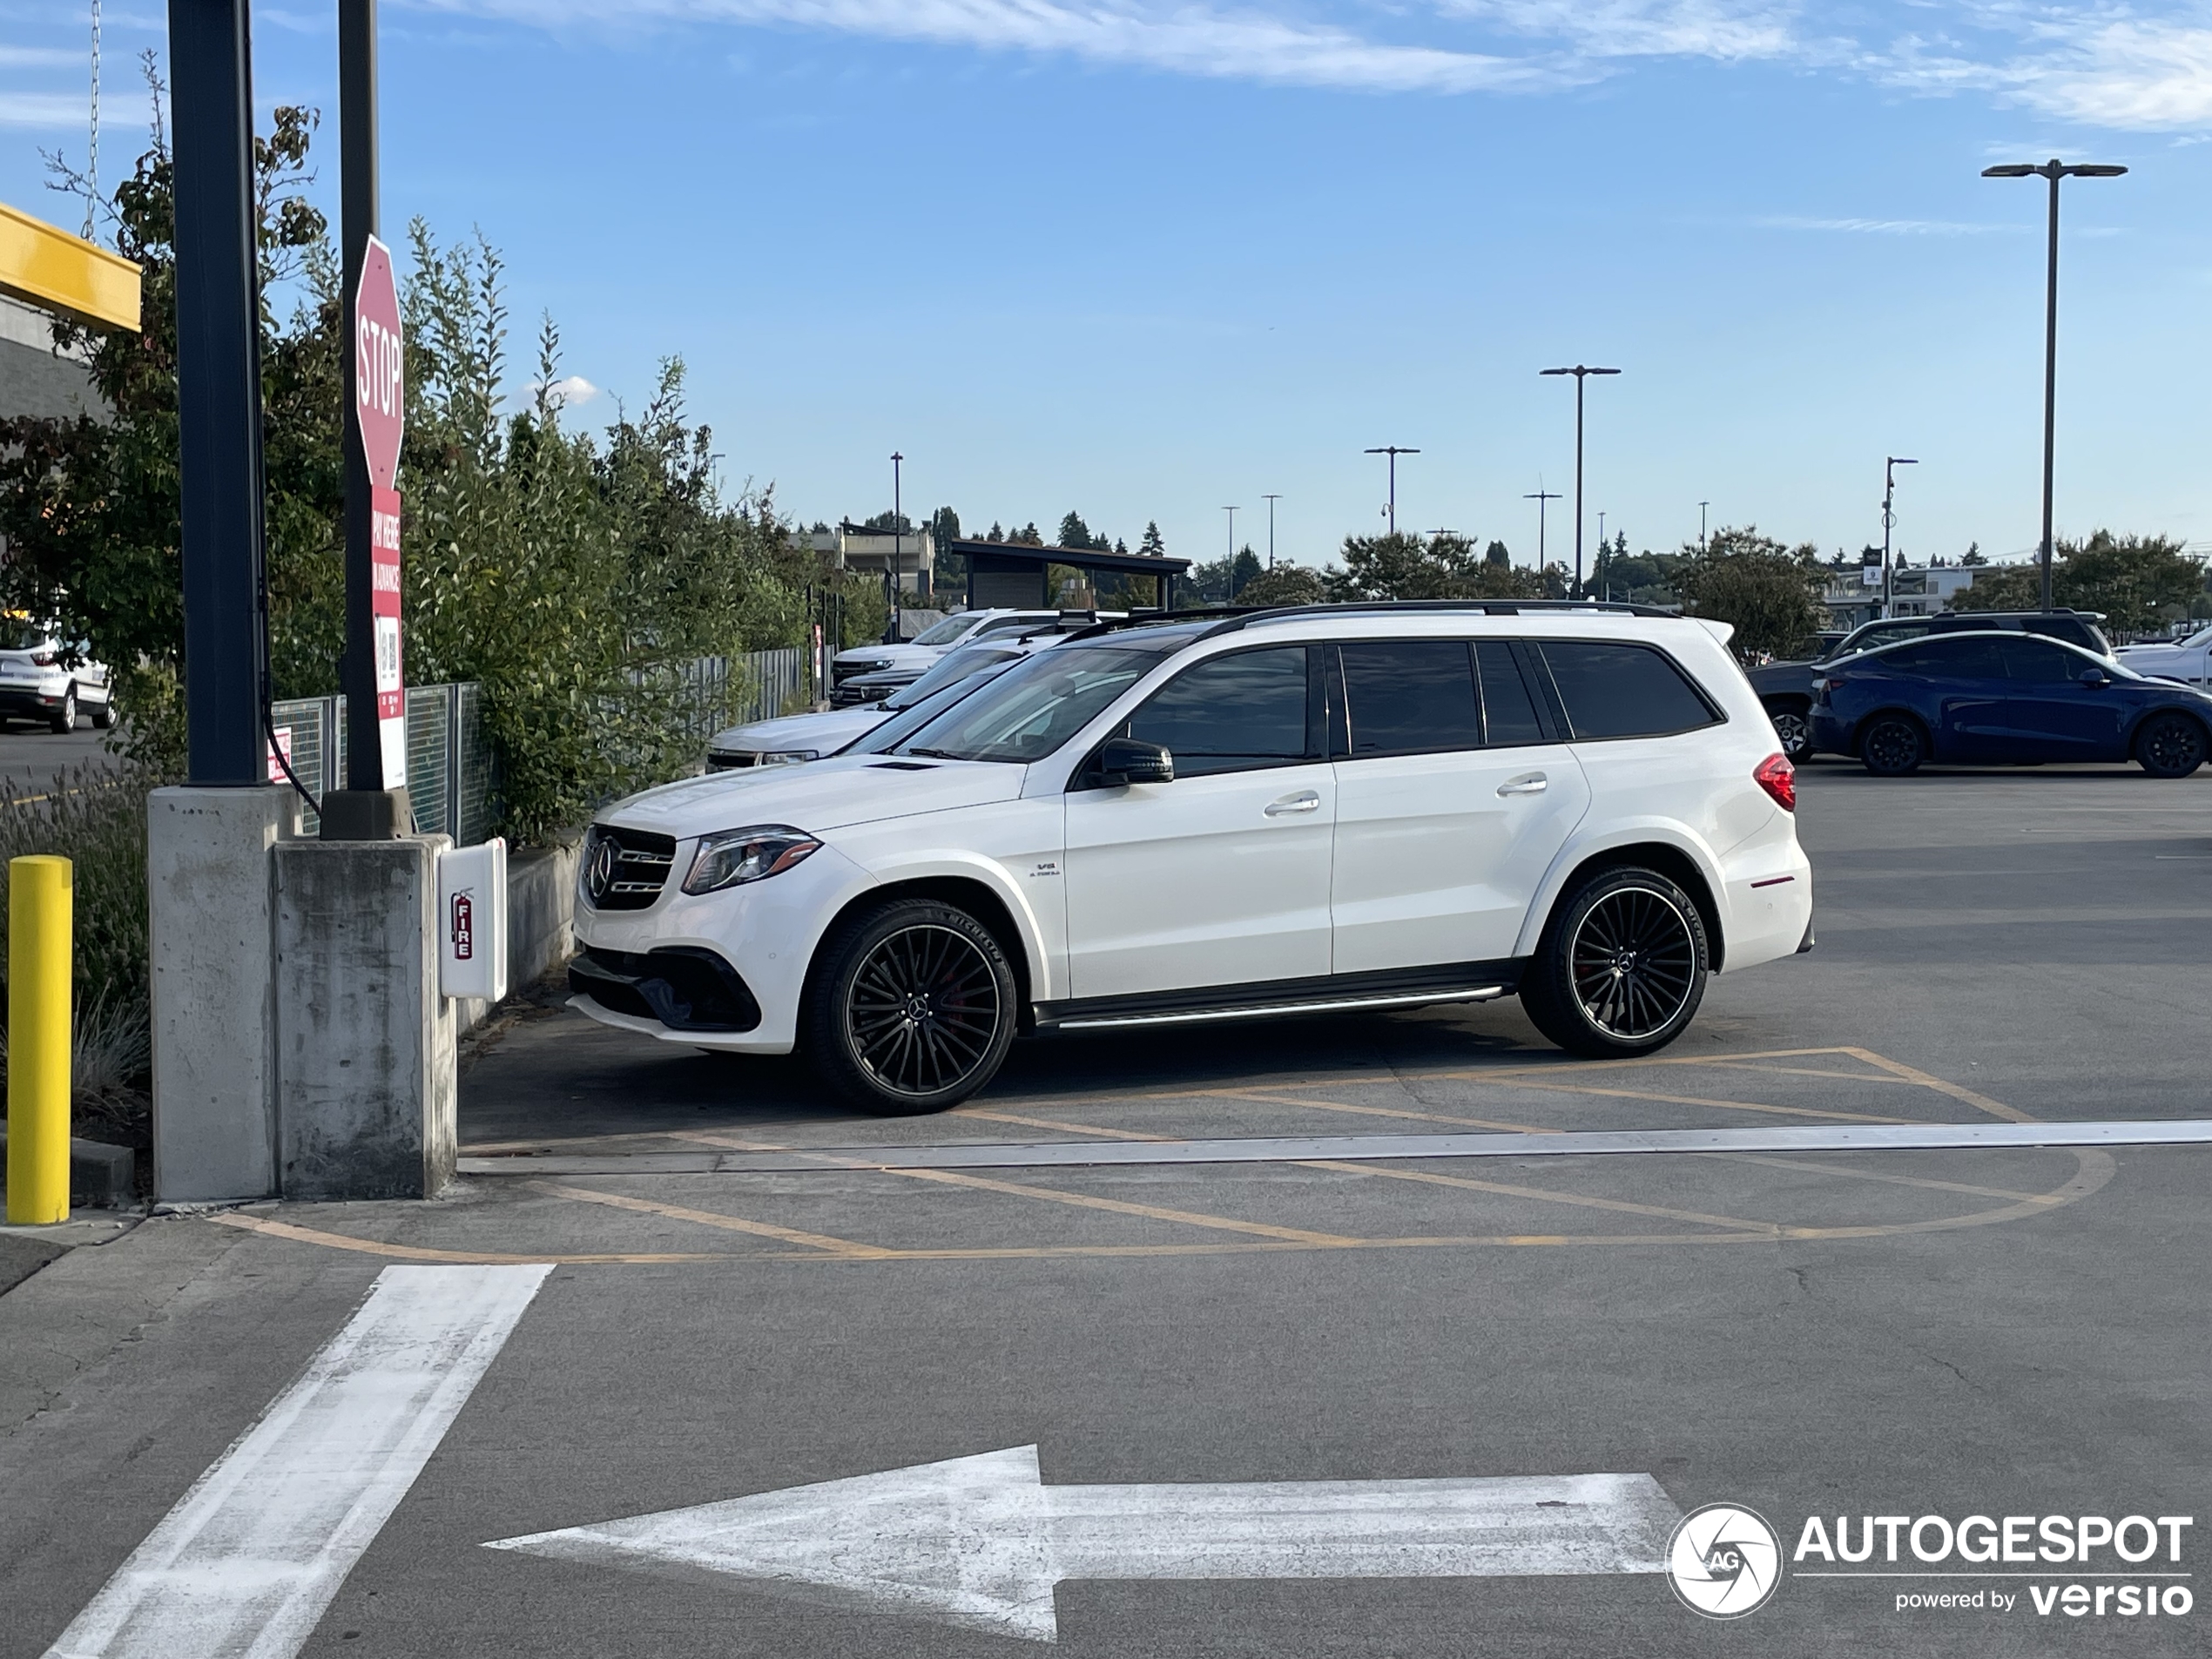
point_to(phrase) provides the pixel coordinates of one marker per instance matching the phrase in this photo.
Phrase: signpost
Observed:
(379, 398)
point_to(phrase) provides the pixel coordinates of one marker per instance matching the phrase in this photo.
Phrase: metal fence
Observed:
(722, 691)
(449, 770)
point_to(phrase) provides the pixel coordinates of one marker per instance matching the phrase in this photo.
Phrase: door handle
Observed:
(1534, 783)
(1305, 801)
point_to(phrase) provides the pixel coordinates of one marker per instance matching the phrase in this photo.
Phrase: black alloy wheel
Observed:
(2170, 746)
(65, 716)
(1893, 747)
(913, 1008)
(1622, 968)
(1793, 726)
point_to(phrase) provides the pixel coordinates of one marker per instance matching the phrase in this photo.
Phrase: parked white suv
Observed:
(925, 647)
(1282, 813)
(42, 678)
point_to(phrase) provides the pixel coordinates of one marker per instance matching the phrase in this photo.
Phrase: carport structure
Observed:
(1009, 576)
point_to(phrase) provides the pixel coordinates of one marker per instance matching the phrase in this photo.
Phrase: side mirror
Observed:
(2095, 677)
(1124, 760)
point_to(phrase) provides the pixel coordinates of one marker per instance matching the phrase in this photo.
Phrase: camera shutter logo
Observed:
(1724, 1560)
(599, 875)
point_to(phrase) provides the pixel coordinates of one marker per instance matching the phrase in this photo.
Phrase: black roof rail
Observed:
(1229, 619)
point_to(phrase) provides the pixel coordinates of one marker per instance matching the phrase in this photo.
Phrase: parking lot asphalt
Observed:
(2015, 1331)
(32, 756)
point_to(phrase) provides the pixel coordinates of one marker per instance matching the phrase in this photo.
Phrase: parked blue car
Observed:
(2004, 698)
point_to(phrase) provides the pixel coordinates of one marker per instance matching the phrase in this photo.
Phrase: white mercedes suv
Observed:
(1185, 819)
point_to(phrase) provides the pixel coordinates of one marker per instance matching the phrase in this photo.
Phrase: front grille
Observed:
(625, 869)
(729, 759)
(840, 673)
(683, 988)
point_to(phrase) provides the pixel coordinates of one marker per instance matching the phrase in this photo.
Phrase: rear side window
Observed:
(1508, 712)
(1231, 713)
(1622, 690)
(2072, 630)
(1410, 697)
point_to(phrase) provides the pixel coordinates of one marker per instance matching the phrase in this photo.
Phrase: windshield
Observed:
(882, 740)
(1034, 707)
(952, 666)
(945, 632)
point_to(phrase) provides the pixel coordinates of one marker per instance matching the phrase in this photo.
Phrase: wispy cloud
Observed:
(1889, 227)
(39, 57)
(2100, 63)
(1244, 44)
(44, 109)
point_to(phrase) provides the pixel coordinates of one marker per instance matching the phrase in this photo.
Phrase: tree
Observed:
(1771, 593)
(1404, 566)
(1286, 584)
(1073, 531)
(1974, 555)
(1496, 553)
(1028, 535)
(886, 522)
(1151, 546)
(2137, 581)
(1242, 569)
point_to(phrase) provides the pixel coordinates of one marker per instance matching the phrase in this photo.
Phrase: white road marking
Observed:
(981, 1541)
(245, 1564)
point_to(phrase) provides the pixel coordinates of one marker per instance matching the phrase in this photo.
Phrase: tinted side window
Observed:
(1622, 690)
(1966, 656)
(2040, 663)
(1925, 658)
(1508, 714)
(2072, 630)
(1410, 697)
(1231, 713)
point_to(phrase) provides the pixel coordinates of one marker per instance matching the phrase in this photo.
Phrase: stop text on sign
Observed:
(379, 368)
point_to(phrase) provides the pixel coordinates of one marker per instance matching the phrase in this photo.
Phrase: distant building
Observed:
(1913, 593)
(856, 547)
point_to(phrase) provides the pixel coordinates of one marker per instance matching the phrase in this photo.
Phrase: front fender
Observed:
(928, 864)
(1645, 832)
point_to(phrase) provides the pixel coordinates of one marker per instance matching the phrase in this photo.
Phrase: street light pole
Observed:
(1702, 506)
(1232, 511)
(898, 552)
(1393, 451)
(1270, 501)
(2053, 169)
(1580, 373)
(1890, 463)
(1540, 496)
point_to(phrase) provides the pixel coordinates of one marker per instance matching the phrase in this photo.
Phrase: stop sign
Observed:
(379, 376)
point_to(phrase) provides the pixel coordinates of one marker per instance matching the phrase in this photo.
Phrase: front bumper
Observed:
(685, 987)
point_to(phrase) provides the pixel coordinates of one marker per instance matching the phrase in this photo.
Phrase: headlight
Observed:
(733, 857)
(787, 756)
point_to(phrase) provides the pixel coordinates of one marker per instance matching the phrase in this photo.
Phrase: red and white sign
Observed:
(380, 366)
(282, 748)
(384, 603)
(464, 928)
(380, 388)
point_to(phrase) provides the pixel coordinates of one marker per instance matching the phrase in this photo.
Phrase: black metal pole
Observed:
(898, 553)
(1578, 485)
(2050, 378)
(219, 393)
(358, 222)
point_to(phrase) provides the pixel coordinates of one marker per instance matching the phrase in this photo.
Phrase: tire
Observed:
(2170, 746)
(1793, 724)
(104, 716)
(1893, 746)
(913, 1009)
(1622, 966)
(65, 716)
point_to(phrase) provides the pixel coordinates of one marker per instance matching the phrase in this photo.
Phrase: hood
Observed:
(896, 656)
(826, 795)
(2137, 656)
(820, 732)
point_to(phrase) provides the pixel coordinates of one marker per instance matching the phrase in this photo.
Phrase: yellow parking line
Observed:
(1913, 1074)
(418, 1253)
(1051, 1122)
(1387, 1111)
(714, 1218)
(1700, 1100)
(1894, 1180)
(887, 1164)
(1810, 1071)
(1543, 1195)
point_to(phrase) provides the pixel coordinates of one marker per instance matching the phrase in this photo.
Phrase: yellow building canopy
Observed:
(46, 266)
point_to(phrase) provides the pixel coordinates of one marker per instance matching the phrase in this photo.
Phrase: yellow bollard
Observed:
(41, 894)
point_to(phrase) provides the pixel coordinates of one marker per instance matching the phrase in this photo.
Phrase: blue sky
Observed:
(1148, 259)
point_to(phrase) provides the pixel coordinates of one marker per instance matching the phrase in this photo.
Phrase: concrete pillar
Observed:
(209, 904)
(365, 1043)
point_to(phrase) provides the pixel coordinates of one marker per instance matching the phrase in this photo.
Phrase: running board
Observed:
(1258, 1010)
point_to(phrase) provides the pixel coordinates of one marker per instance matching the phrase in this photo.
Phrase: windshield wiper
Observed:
(936, 755)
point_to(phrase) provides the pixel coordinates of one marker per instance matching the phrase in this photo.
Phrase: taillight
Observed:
(44, 659)
(1779, 778)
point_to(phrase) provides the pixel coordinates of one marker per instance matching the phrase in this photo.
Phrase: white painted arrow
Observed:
(982, 1541)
